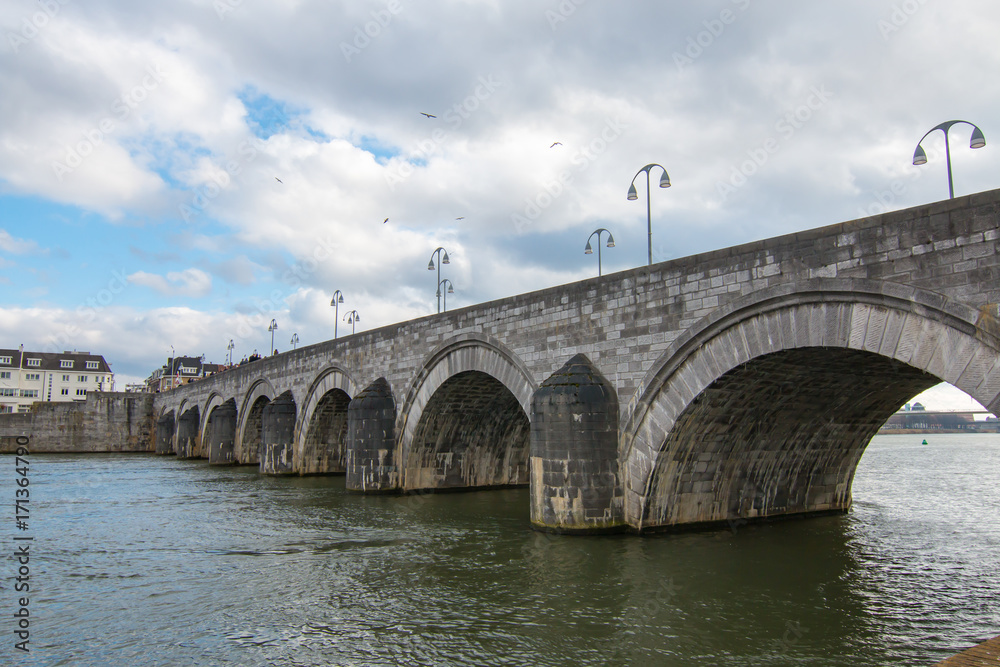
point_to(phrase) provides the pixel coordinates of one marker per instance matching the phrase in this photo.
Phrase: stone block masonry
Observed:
(105, 422)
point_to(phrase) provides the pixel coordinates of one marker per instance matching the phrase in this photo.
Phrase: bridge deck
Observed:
(986, 654)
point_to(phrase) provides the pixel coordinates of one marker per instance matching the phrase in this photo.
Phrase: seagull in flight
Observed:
(557, 143)
(279, 180)
(460, 218)
(429, 115)
(385, 221)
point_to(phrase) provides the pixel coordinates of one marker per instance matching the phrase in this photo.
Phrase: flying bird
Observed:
(557, 143)
(462, 217)
(385, 221)
(429, 115)
(279, 180)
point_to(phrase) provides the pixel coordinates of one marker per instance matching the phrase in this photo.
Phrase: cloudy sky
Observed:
(179, 173)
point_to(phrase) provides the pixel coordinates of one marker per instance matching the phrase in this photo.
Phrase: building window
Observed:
(82, 378)
(8, 392)
(65, 363)
(4, 375)
(29, 393)
(6, 408)
(6, 361)
(65, 378)
(32, 376)
(35, 362)
(92, 365)
(81, 392)
(64, 392)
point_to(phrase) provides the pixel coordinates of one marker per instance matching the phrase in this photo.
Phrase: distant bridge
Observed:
(736, 384)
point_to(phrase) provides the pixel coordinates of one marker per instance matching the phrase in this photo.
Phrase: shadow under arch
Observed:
(464, 421)
(321, 431)
(765, 407)
(250, 413)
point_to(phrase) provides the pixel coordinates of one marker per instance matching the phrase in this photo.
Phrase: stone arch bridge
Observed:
(743, 383)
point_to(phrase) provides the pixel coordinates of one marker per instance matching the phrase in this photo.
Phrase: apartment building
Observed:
(27, 377)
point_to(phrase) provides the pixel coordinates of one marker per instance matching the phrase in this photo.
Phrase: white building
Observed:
(27, 377)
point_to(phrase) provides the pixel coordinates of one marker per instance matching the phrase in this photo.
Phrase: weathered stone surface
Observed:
(574, 452)
(104, 422)
(371, 419)
(278, 433)
(222, 430)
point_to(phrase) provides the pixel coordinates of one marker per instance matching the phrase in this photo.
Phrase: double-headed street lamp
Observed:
(272, 327)
(977, 141)
(632, 195)
(230, 348)
(590, 251)
(338, 298)
(442, 259)
(351, 318)
(441, 292)
(295, 340)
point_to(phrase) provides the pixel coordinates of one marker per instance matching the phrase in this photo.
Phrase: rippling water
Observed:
(139, 560)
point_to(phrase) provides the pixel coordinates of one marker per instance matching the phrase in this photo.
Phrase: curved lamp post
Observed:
(977, 141)
(351, 318)
(295, 340)
(230, 348)
(338, 298)
(441, 292)
(442, 259)
(272, 327)
(632, 195)
(590, 251)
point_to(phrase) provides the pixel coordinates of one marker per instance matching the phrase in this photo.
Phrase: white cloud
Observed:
(189, 282)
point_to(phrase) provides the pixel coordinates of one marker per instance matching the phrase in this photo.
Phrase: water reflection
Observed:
(154, 561)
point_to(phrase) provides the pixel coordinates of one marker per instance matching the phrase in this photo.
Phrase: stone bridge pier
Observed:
(738, 384)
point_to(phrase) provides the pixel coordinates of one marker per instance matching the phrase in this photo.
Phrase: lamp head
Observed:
(611, 240)
(664, 180)
(430, 265)
(978, 140)
(451, 288)
(919, 156)
(632, 194)
(445, 260)
(588, 250)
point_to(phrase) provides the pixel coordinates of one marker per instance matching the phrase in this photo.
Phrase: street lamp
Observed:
(590, 251)
(295, 340)
(230, 348)
(351, 318)
(633, 195)
(338, 298)
(977, 141)
(272, 327)
(170, 368)
(440, 292)
(430, 267)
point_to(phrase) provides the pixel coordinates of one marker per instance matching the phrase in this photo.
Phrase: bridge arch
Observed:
(214, 400)
(464, 421)
(321, 440)
(766, 406)
(250, 421)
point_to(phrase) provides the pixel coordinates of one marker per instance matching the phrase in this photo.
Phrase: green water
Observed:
(140, 560)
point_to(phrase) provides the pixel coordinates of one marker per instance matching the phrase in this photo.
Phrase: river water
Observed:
(140, 560)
